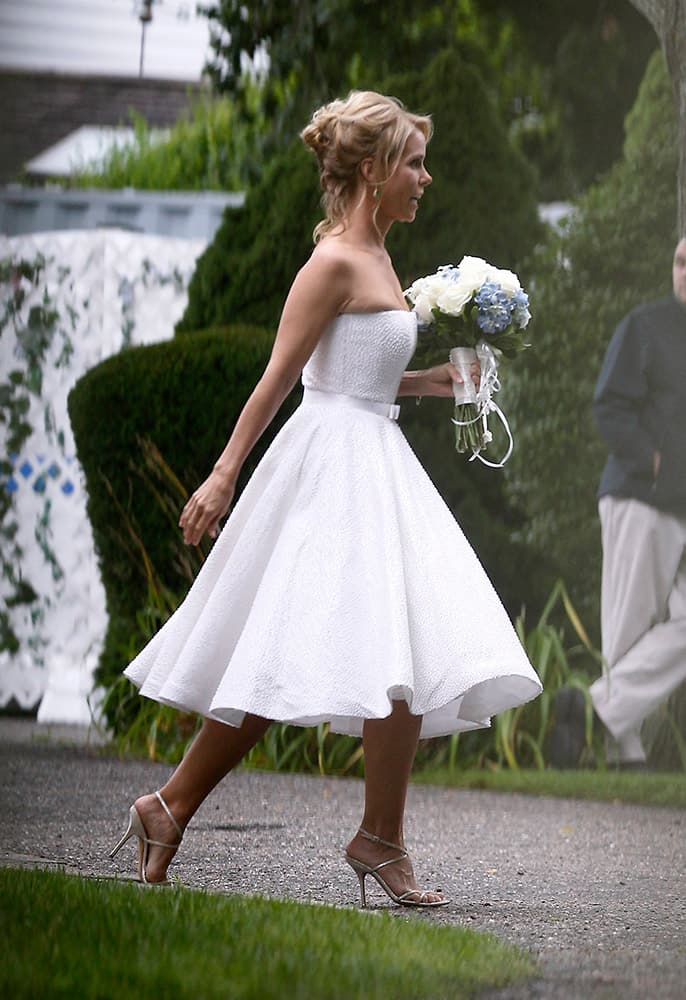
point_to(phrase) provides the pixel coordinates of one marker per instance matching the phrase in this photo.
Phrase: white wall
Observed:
(110, 288)
(103, 37)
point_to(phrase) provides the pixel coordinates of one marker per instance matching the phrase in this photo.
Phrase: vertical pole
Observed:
(140, 65)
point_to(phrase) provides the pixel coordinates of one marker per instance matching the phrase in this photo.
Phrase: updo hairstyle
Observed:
(345, 132)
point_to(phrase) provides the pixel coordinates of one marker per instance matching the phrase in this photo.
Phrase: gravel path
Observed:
(596, 891)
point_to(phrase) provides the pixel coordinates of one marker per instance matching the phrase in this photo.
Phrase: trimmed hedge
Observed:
(245, 273)
(184, 396)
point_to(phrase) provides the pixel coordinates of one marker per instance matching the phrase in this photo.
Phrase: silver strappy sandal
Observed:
(136, 829)
(412, 897)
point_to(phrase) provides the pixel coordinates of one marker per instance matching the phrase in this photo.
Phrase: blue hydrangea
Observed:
(494, 308)
(520, 311)
(449, 272)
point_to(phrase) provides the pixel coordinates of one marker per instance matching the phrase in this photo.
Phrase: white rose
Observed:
(508, 281)
(434, 286)
(454, 297)
(422, 306)
(414, 290)
(475, 271)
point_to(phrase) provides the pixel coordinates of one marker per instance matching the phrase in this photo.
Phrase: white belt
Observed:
(318, 398)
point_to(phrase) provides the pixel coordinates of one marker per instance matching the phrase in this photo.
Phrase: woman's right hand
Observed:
(439, 380)
(206, 507)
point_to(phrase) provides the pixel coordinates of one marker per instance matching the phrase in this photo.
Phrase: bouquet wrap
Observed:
(472, 408)
(464, 358)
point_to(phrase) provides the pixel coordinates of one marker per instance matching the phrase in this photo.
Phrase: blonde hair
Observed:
(345, 132)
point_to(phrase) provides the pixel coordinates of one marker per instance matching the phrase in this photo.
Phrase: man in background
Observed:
(640, 409)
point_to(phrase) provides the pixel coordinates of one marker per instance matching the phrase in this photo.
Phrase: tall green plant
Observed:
(483, 197)
(518, 737)
(210, 148)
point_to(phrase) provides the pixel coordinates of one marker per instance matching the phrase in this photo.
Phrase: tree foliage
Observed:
(317, 47)
(668, 18)
(614, 253)
(545, 64)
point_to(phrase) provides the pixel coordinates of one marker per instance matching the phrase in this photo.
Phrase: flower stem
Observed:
(468, 431)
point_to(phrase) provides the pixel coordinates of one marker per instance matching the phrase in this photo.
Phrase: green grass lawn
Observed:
(73, 938)
(646, 788)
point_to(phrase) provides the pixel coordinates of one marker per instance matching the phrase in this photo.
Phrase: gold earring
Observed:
(377, 191)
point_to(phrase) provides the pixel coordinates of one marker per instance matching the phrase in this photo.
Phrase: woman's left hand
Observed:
(206, 508)
(439, 380)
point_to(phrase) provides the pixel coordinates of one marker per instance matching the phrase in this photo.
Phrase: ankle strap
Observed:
(168, 812)
(379, 840)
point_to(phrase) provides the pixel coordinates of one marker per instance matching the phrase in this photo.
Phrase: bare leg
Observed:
(389, 748)
(214, 752)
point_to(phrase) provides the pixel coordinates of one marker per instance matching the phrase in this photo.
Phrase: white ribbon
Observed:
(463, 358)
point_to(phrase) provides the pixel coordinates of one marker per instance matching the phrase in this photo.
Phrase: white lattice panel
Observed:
(110, 289)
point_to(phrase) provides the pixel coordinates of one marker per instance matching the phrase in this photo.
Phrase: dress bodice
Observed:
(363, 354)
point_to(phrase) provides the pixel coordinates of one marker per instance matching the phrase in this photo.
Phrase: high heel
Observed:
(136, 829)
(362, 869)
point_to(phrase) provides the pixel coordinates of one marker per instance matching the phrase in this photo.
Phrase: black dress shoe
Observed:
(567, 737)
(631, 765)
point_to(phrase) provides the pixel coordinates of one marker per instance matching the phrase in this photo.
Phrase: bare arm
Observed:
(319, 292)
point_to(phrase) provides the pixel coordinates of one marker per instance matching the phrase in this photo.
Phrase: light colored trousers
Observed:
(643, 617)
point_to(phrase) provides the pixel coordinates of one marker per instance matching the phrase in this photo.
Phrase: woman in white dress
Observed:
(340, 589)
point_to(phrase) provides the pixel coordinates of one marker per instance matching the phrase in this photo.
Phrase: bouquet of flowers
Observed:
(480, 312)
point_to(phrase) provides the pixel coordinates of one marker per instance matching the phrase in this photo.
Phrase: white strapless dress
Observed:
(341, 581)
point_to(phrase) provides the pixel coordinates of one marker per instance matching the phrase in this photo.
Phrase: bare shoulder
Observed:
(329, 271)
(332, 260)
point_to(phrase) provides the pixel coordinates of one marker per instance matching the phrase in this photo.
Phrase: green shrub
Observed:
(614, 253)
(561, 652)
(149, 422)
(209, 148)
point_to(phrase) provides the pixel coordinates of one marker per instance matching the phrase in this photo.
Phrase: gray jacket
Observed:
(640, 406)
